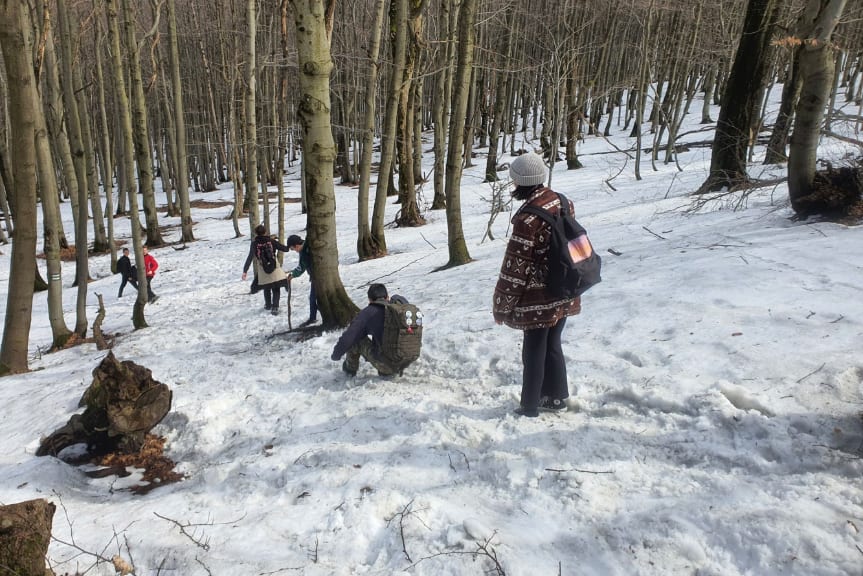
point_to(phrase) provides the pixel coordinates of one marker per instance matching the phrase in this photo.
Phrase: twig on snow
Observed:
(654, 233)
(811, 373)
(579, 470)
(199, 541)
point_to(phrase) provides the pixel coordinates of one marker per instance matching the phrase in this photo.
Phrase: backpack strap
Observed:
(545, 214)
(564, 204)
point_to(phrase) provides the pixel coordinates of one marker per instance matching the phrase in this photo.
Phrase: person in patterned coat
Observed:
(521, 299)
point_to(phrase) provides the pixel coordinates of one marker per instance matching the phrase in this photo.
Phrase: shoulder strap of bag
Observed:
(545, 214)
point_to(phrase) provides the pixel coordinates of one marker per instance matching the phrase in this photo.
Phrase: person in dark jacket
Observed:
(271, 283)
(364, 337)
(297, 244)
(521, 299)
(127, 272)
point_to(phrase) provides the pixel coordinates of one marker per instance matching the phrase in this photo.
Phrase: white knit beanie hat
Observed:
(528, 170)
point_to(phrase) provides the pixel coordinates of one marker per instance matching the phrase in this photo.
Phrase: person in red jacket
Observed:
(150, 267)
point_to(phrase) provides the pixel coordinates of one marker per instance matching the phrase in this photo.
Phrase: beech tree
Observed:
(313, 23)
(23, 99)
(458, 253)
(741, 99)
(815, 66)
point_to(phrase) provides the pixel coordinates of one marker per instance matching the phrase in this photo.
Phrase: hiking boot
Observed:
(527, 412)
(275, 311)
(547, 404)
(346, 369)
(308, 322)
(267, 306)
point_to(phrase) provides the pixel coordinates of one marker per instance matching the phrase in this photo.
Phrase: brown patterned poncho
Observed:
(521, 300)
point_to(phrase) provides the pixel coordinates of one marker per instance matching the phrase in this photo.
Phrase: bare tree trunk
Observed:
(127, 144)
(776, 147)
(5, 174)
(105, 145)
(742, 97)
(251, 127)
(52, 98)
(501, 80)
(100, 238)
(22, 122)
(4, 207)
(709, 85)
(442, 93)
(313, 22)
(73, 124)
(398, 24)
(573, 119)
(366, 247)
(458, 253)
(409, 214)
(181, 168)
(816, 63)
(50, 200)
(140, 131)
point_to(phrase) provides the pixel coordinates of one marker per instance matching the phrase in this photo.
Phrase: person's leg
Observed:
(313, 304)
(268, 298)
(352, 361)
(365, 349)
(533, 359)
(150, 295)
(554, 384)
(276, 292)
(122, 285)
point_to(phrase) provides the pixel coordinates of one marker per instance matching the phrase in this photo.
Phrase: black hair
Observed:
(294, 240)
(524, 192)
(377, 292)
(261, 230)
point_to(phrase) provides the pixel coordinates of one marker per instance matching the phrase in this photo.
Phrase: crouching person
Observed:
(387, 334)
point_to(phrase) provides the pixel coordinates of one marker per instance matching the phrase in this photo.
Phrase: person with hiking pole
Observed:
(297, 244)
(268, 273)
(288, 288)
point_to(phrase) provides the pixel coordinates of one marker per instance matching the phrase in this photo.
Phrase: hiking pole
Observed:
(289, 307)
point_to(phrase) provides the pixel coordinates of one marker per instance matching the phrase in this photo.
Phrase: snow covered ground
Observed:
(715, 422)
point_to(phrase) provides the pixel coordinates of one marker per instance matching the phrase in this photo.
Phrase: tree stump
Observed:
(122, 404)
(25, 532)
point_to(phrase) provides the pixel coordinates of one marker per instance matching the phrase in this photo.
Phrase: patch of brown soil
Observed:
(158, 468)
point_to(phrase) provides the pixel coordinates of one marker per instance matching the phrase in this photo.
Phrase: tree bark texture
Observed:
(319, 153)
(816, 68)
(458, 252)
(22, 111)
(25, 533)
(742, 97)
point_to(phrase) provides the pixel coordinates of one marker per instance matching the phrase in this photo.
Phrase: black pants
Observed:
(150, 293)
(127, 280)
(272, 293)
(544, 366)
